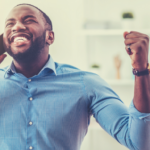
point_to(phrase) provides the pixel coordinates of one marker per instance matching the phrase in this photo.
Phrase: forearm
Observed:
(142, 93)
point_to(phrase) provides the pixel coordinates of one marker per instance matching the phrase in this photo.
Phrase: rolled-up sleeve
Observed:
(139, 128)
(128, 126)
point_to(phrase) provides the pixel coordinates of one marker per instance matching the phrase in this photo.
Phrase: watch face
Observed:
(135, 72)
(141, 73)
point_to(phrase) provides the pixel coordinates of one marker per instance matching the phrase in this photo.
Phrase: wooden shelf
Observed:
(118, 82)
(121, 82)
(108, 32)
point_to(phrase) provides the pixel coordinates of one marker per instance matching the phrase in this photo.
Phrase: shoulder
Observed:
(92, 79)
(87, 77)
(65, 68)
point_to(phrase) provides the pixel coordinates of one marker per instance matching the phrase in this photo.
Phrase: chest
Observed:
(50, 106)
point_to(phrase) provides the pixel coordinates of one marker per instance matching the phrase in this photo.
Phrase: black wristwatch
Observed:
(140, 73)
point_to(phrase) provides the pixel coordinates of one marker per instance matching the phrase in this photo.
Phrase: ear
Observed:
(49, 37)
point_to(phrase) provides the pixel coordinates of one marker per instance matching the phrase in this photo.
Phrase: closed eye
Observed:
(8, 24)
(30, 21)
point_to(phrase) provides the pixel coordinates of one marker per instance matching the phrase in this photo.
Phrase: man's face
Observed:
(24, 34)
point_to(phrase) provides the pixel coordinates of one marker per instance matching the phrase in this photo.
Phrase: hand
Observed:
(2, 57)
(139, 45)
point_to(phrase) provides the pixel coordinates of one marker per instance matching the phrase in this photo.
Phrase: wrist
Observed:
(141, 71)
(142, 68)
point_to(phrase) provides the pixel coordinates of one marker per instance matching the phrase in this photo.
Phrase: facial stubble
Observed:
(32, 53)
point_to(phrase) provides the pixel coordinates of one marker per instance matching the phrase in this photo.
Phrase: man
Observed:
(47, 105)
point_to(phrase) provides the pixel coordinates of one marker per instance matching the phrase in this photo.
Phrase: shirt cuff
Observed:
(136, 114)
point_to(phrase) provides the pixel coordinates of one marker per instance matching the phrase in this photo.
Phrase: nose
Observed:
(18, 27)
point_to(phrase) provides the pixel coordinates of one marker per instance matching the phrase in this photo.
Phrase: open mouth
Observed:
(20, 39)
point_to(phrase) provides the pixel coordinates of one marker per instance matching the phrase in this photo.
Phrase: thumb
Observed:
(2, 57)
(125, 33)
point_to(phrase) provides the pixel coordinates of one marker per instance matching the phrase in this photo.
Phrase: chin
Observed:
(19, 50)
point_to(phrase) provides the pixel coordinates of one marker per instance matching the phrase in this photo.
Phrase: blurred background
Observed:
(89, 35)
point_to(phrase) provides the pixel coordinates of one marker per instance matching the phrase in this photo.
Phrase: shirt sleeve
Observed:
(128, 126)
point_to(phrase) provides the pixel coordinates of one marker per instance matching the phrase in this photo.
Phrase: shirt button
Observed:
(29, 80)
(30, 147)
(31, 98)
(30, 123)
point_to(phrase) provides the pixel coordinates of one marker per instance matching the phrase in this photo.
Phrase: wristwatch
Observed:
(141, 73)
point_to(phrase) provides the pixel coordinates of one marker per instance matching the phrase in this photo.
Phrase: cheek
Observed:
(37, 34)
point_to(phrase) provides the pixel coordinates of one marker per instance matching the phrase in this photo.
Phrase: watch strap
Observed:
(140, 73)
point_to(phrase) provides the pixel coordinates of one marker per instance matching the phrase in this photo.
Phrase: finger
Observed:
(132, 41)
(129, 52)
(134, 34)
(138, 33)
(134, 48)
(2, 57)
(125, 33)
(130, 49)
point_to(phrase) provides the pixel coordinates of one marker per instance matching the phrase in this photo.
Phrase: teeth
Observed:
(20, 38)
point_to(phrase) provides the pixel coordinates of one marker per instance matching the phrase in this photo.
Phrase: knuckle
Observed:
(144, 41)
(126, 37)
(147, 38)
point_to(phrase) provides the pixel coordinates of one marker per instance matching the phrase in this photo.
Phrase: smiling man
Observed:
(26, 31)
(45, 105)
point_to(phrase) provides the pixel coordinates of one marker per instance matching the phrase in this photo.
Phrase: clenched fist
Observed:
(138, 52)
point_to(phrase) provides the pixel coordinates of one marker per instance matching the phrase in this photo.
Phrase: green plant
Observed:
(95, 66)
(127, 15)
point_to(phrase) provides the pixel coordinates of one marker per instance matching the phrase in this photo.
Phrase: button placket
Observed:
(31, 128)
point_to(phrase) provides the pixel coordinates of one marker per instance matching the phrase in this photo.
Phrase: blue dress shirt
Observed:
(51, 110)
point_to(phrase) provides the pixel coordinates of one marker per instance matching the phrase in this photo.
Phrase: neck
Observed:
(29, 70)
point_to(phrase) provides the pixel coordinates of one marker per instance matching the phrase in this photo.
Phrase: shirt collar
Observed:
(50, 65)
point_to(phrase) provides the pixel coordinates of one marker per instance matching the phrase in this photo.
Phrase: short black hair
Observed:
(48, 20)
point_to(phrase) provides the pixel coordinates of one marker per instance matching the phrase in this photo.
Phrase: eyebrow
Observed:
(28, 16)
(11, 19)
